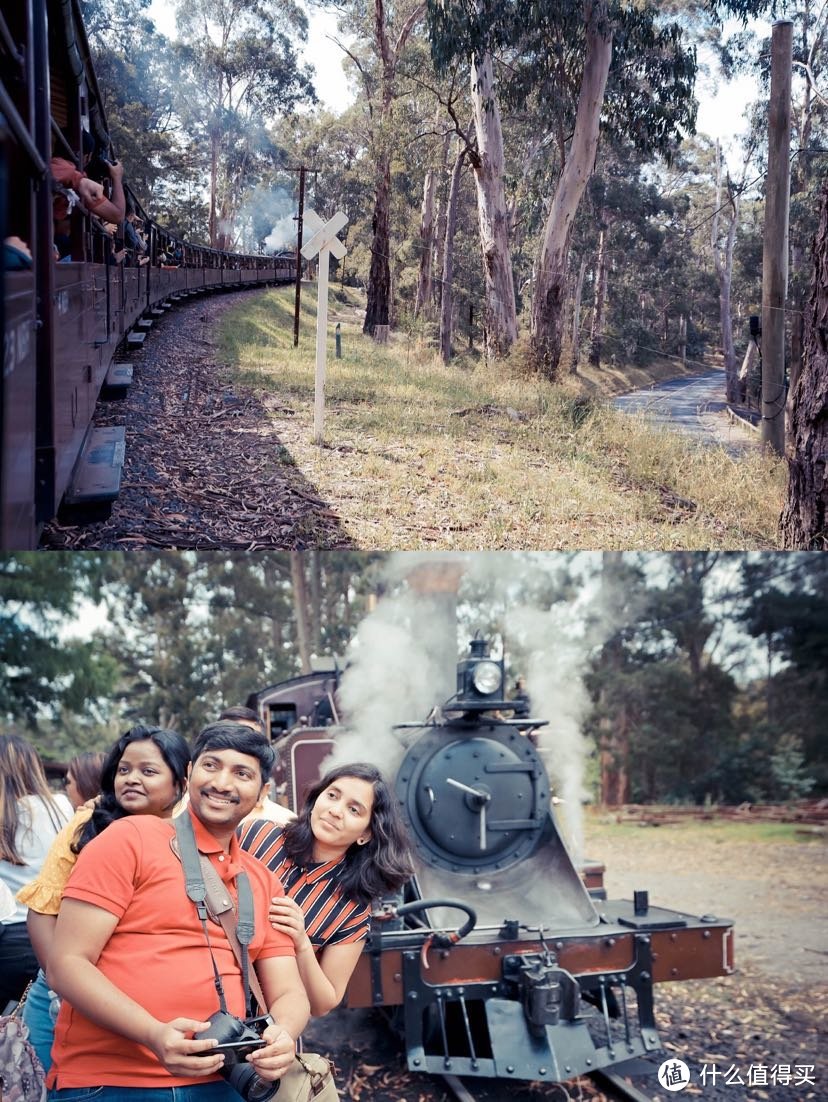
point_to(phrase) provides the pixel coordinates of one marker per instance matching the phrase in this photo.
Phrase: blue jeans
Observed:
(195, 1092)
(39, 1018)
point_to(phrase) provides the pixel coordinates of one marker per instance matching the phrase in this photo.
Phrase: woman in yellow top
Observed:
(144, 773)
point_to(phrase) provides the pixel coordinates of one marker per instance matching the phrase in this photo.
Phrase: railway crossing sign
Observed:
(324, 242)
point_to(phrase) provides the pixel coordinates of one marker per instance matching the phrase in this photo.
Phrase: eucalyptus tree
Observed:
(238, 70)
(383, 30)
(135, 70)
(594, 63)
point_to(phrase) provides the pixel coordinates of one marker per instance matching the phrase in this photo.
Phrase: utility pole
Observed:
(299, 255)
(303, 171)
(775, 250)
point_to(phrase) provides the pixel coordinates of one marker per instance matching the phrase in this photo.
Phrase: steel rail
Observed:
(622, 1091)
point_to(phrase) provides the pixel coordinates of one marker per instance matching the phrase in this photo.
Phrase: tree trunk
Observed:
(600, 296)
(300, 607)
(682, 346)
(500, 314)
(214, 153)
(723, 263)
(750, 378)
(379, 277)
(576, 316)
(447, 299)
(423, 302)
(440, 231)
(804, 520)
(553, 255)
(315, 600)
(378, 306)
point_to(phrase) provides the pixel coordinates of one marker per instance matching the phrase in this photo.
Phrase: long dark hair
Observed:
(174, 751)
(383, 864)
(21, 774)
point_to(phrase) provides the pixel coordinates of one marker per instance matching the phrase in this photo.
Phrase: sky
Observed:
(720, 109)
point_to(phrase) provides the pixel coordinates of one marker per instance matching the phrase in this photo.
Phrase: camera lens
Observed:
(244, 1079)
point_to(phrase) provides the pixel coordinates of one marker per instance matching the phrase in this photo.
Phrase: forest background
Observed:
(520, 175)
(693, 677)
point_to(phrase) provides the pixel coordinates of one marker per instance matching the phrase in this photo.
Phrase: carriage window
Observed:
(282, 718)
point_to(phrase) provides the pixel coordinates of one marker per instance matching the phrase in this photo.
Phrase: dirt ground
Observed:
(771, 1014)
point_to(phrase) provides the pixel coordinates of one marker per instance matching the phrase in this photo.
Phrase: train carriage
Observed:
(63, 323)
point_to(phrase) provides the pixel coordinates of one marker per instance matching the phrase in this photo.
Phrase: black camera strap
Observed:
(197, 891)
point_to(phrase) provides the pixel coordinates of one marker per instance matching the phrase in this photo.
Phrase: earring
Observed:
(362, 841)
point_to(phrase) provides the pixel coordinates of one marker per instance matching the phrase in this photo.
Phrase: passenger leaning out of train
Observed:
(115, 252)
(345, 851)
(90, 192)
(75, 186)
(135, 244)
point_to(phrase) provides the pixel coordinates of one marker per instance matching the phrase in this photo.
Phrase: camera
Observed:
(237, 1038)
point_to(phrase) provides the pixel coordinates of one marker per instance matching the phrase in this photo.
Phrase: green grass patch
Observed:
(717, 831)
(418, 454)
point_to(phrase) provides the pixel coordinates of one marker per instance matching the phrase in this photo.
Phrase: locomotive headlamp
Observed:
(480, 679)
(487, 678)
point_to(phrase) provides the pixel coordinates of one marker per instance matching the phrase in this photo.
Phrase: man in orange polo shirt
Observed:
(131, 959)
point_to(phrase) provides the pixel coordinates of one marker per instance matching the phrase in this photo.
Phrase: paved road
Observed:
(693, 405)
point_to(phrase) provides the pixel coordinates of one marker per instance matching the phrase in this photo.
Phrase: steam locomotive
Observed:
(502, 959)
(61, 324)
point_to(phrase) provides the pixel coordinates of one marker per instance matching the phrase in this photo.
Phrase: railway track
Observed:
(612, 1086)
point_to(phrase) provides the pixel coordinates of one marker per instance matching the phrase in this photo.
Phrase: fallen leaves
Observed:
(204, 466)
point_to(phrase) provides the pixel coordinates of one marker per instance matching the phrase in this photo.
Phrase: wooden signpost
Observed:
(324, 242)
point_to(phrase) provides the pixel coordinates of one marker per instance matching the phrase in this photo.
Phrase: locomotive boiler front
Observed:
(476, 799)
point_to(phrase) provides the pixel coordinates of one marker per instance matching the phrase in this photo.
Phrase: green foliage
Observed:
(41, 670)
(788, 770)
(686, 715)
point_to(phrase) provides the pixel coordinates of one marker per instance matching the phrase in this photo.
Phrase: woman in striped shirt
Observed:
(345, 851)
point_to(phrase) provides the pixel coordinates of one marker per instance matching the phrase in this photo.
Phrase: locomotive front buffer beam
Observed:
(531, 1025)
(538, 1010)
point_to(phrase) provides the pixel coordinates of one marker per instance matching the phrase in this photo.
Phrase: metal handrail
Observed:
(9, 43)
(20, 133)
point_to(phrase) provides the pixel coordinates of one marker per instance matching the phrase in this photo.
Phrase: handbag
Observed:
(22, 1078)
(310, 1078)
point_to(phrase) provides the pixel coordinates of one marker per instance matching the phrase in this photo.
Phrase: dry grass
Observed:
(405, 468)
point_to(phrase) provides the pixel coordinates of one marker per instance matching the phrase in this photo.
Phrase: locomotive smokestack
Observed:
(436, 585)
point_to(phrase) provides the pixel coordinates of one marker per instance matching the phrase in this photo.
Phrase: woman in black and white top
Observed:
(344, 852)
(30, 817)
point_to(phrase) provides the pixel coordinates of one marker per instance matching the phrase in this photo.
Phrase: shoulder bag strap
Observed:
(206, 890)
(221, 907)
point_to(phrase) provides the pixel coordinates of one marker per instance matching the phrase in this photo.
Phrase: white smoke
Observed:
(555, 642)
(397, 657)
(267, 206)
(282, 236)
(390, 678)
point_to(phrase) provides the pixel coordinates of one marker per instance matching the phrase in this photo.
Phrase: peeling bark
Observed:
(553, 255)
(500, 320)
(447, 300)
(804, 520)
